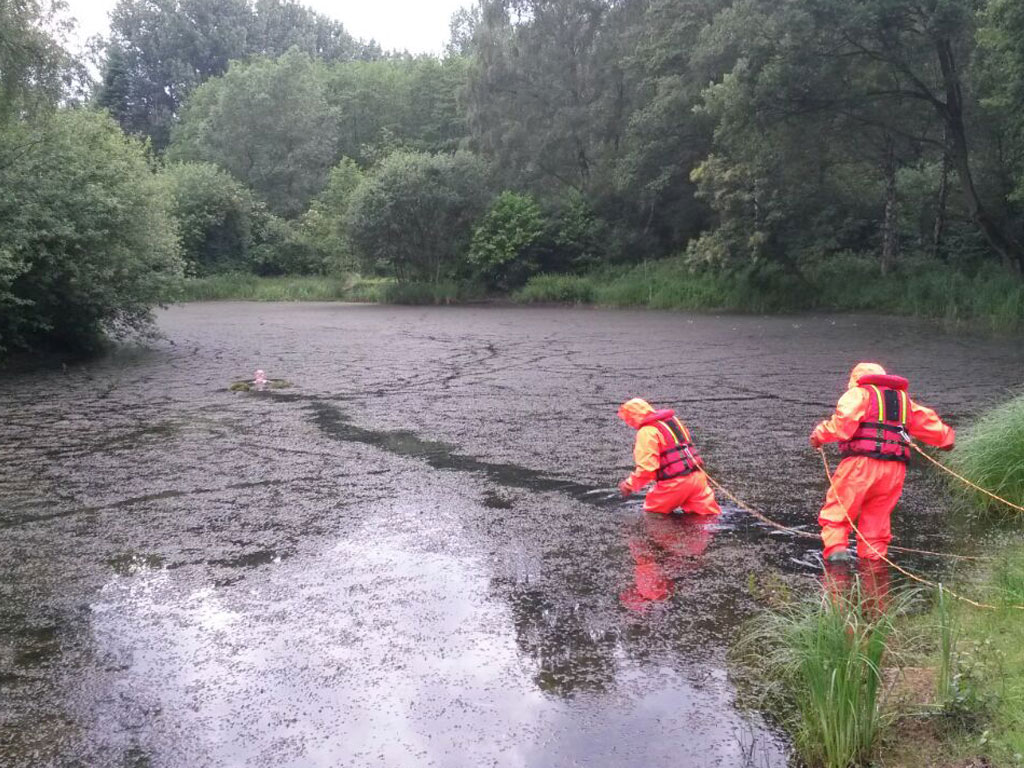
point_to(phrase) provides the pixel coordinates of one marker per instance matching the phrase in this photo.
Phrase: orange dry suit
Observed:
(873, 423)
(665, 454)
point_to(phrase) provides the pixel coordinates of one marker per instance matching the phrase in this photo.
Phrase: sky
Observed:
(419, 26)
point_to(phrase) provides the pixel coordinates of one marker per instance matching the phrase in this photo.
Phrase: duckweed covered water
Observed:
(415, 555)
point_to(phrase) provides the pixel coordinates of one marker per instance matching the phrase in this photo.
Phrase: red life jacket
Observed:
(883, 432)
(679, 456)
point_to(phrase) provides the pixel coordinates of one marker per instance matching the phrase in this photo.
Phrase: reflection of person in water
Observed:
(874, 577)
(664, 549)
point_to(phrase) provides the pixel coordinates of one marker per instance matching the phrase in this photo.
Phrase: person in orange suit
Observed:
(873, 423)
(664, 454)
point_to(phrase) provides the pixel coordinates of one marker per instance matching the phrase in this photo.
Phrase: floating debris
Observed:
(245, 385)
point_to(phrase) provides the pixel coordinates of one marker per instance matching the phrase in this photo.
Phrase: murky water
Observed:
(414, 556)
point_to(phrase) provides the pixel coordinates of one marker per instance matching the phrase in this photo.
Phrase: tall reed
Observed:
(823, 660)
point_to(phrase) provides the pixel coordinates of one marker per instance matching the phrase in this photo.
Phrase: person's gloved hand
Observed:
(815, 441)
(625, 489)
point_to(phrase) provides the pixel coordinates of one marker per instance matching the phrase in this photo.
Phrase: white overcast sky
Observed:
(419, 26)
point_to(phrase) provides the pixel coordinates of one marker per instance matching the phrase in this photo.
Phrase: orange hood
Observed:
(634, 411)
(860, 370)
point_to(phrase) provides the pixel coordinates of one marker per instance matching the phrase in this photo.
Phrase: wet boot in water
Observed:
(840, 556)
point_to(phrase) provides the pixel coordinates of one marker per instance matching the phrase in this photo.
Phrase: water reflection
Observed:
(664, 548)
(872, 577)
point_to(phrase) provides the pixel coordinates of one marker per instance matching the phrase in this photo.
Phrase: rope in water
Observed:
(807, 534)
(967, 482)
(904, 571)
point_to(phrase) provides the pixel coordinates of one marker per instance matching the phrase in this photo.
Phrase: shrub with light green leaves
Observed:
(87, 241)
(504, 247)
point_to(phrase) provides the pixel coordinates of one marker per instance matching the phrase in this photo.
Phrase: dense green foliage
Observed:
(214, 214)
(506, 241)
(35, 68)
(767, 142)
(159, 51)
(265, 122)
(748, 154)
(413, 216)
(87, 243)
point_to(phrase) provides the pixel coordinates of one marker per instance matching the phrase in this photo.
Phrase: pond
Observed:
(414, 555)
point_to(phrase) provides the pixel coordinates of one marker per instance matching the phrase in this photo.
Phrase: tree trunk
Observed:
(940, 208)
(890, 224)
(952, 113)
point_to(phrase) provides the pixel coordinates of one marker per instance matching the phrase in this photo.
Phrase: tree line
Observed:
(747, 137)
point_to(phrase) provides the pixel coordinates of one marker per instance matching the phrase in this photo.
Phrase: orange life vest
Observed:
(679, 456)
(883, 432)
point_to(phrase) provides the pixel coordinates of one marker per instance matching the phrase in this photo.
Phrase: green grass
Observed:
(239, 286)
(819, 666)
(563, 289)
(846, 283)
(979, 667)
(442, 292)
(235, 286)
(991, 454)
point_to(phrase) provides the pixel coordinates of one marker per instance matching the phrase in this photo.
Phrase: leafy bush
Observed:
(578, 237)
(214, 215)
(87, 242)
(505, 243)
(279, 247)
(413, 216)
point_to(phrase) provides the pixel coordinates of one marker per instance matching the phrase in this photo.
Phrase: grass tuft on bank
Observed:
(817, 664)
(991, 454)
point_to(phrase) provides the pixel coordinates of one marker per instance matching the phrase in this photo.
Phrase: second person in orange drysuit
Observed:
(873, 424)
(665, 454)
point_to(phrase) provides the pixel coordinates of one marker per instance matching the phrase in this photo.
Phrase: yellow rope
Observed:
(967, 482)
(762, 517)
(904, 571)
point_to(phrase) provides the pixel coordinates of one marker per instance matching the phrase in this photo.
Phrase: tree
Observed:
(923, 48)
(268, 124)
(161, 50)
(413, 216)
(87, 244)
(213, 213)
(323, 225)
(396, 103)
(535, 86)
(36, 69)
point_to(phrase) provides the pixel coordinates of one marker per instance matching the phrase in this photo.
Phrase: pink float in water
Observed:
(260, 380)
